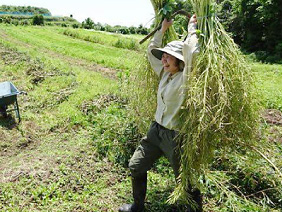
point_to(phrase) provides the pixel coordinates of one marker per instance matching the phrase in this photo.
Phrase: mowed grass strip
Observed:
(108, 56)
(105, 38)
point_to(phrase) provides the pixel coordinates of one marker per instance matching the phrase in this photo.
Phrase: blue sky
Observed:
(113, 12)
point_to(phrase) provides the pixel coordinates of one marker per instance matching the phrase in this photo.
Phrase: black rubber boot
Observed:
(197, 197)
(139, 185)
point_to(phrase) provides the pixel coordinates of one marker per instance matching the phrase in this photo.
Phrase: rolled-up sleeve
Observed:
(155, 63)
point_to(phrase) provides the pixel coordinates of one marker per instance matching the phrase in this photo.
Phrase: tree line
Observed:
(89, 24)
(6, 9)
(39, 20)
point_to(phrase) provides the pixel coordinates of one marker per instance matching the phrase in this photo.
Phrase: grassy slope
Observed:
(49, 39)
(67, 154)
(269, 82)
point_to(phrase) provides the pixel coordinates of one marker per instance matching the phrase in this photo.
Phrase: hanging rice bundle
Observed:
(220, 108)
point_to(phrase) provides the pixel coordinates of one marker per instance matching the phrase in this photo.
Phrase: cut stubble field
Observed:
(71, 149)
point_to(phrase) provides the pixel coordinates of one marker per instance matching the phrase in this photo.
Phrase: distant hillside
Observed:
(23, 10)
(23, 15)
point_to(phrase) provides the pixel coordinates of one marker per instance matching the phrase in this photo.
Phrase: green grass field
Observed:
(71, 150)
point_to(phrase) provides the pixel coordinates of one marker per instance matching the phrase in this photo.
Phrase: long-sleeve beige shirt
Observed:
(171, 89)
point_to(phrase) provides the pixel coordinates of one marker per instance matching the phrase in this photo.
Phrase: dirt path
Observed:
(272, 116)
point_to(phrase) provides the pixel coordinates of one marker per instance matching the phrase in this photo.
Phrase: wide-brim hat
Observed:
(174, 48)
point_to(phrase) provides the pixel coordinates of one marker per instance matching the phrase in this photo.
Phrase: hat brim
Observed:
(158, 52)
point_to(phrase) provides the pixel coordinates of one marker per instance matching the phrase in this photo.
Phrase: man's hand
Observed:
(165, 25)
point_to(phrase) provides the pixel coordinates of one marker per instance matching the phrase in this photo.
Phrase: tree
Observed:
(75, 26)
(38, 20)
(123, 30)
(142, 30)
(88, 24)
(132, 30)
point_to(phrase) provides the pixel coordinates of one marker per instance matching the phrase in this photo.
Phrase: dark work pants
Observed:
(158, 142)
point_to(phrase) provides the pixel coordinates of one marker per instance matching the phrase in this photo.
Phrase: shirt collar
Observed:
(170, 76)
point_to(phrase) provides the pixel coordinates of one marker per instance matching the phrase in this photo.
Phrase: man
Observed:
(172, 64)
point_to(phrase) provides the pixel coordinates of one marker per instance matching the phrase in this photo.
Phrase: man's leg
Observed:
(142, 160)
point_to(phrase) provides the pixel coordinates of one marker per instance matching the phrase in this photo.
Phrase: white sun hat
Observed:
(174, 48)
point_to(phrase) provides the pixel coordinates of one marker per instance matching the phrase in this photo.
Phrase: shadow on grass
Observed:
(157, 201)
(165, 208)
(8, 122)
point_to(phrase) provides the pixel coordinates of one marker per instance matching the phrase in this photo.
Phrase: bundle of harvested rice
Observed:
(220, 110)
